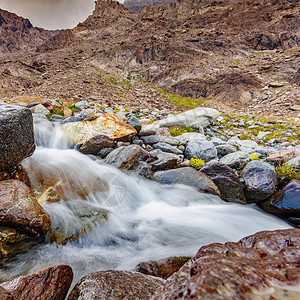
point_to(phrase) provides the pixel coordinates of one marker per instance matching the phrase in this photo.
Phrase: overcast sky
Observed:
(51, 14)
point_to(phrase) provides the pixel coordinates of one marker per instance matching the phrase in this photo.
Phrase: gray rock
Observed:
(149, 130)
(151, 139)
(187, 176)
(143, 169)
(200, 150)
(82, 104)
(260, 181)
(294, 162)
(104, 152)
(190, 136)
(232, 190)
(16, 135)
(245, 145)
(40, 109)
(170, 140)
(195, 118)
(225, 149)
(135, 122)
(124, 157)
(234, 160)
(165, 161)
(167, 148)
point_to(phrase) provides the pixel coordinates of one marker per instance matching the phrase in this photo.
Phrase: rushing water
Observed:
(145, 220)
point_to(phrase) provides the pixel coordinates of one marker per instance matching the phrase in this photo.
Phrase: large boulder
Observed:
(124, 157)
(285, 202)
(262, 266)
(110, 125)
(52, 283)
(16, 135)
(187, 176)
(201, 150)
(195, 118)
(115, 285)
(260, 181)
(165, 161)
(229, 184)
(20, 209)
(163, 268)
(96, 143)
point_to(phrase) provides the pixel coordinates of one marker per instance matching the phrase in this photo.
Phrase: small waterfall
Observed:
(127, 219)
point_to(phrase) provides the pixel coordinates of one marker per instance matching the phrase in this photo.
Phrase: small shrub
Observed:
(197, 163)
(179, 130)
(254, 157)
(285, 170)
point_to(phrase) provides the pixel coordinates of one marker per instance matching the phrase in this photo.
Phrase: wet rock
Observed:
(234, 160)
(225, 149)
(262, 266)
(52, 283)
(115, 285)
(96, 143)
(285, 202)
(109, 125)
(104, 152)
(8, 237)
(200, 150)
(228, 183)
(40, 109)
(167, 148)
(20, 209)
(195, 118)
(135, 122)
(151, 139)
(16, 135)
(260, 181)
(5, 295)
(281, 156)
(143, 169)
(187, 176)
(124, 157)
(165, 161)
(162, 268)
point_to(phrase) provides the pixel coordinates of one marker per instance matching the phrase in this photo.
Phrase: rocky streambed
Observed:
(108, 195)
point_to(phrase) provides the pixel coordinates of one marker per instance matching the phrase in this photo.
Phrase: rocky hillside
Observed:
(233, 55)
(136, 5)
(17, 33)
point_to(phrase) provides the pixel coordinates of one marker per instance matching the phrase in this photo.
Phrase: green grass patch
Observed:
(285, 170)
(179, 130)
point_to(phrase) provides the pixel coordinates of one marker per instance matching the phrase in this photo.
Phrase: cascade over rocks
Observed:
(52, 283)
(115, 285)
(262, 266)
(16, 135)
(20, 209)
(96, 143)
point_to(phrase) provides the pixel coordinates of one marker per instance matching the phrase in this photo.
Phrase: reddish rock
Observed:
(262, 266)
(115, 285)
(5, 295)
(20, 209)
(162, 268)
(95, 144)
(281, 156)
(52, 283)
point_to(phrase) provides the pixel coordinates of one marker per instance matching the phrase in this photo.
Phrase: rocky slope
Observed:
(136, 5)
(236, 55)
(17, 33)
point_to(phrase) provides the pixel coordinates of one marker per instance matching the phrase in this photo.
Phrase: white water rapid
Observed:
(145, 220)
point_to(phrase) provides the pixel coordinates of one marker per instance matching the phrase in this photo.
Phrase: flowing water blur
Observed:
(144, 221)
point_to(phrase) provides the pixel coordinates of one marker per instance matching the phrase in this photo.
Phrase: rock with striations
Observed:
(187, 176)
(167, 148)
(165, 161)
(285, 202)
(262, 266)
(124, 157)
(260, 181)
(110, 125)
(163, 268)
(20, 209)
(16, 135)
(115, 285)
(229, 184)
(200, 150)
(52, 283)
(195, 118)
(5, 295)
(96, 143)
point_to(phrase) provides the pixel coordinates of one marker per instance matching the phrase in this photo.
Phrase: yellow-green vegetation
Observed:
(179, 130)
(254, 157)
(196, 163)
(57, 111)
(287, 171)
(184, 102)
